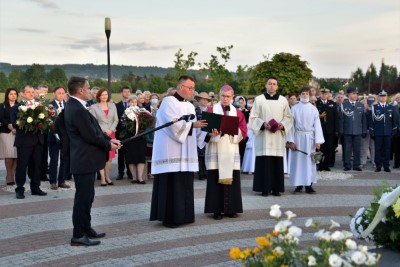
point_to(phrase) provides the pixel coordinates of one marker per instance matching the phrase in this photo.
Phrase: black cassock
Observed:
(221, 198)
(268, 174)
(172, 201)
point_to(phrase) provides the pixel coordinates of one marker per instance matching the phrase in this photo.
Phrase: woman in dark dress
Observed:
(135, 151)
(8, 151)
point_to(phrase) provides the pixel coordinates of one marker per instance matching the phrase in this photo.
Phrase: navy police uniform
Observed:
(384, 126)
(352, 124)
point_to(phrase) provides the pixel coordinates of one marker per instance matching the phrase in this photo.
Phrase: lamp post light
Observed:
(108, 33)
(383, 63)
(369, 80)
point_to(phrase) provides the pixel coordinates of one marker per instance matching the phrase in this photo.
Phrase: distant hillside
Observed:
(95, 71)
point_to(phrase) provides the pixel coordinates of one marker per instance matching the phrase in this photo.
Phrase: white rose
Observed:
(29, 120)
(371, 259)
(335, 260)
(275, 211)
(309, 222)
(290, 214)
(18, 122)
(41, 116)
(23, 108)
(294, 231)
(282, 226)
(32, 107)
(358, 257)
(351, 244)
(337, 236)
(312, 261)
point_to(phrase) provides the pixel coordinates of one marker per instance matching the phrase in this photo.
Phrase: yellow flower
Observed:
(29, 120)
(41, 116)
(270, 258)
(396, 208)
(234, 253)
(244, 254)
(263, 242)
(276, 233)
(255, 250)
(269, 236)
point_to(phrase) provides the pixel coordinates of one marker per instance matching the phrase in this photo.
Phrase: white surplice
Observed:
(249, 158)
(305, 133)
(174, 150)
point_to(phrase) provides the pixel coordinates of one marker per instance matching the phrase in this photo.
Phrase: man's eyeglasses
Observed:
(190, 88)
(226, 96)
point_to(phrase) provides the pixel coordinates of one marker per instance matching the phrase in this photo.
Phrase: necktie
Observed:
(125, 105)
(60, 104)
(352, 104)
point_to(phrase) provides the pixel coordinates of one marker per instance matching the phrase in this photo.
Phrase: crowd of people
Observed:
(272, 135)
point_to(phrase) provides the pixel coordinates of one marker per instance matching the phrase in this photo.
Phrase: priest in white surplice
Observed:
(306, 135)
(269, 144)
(174, 159)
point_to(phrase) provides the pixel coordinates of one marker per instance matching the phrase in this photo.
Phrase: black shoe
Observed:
(234, 215)
(39, 193)
(327, 169)
(170, 225)
(20, 195)
(264, 194)
(310, 190)
(386, 169)
(357, 169)
(346, 169)
(93, 234)
(84, 241)
(378, 169)
(217, 216)
(120, 177)
(298, 189)
(141, 182)
(276, 194)
(44, 179)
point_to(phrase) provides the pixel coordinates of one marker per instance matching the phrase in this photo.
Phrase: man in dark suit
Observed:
(89, 148)
(29, 150)
(327, 112)
(53, 142)
(121, 106)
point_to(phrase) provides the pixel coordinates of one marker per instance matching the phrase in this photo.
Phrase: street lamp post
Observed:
(383, 63)
(369, 80)
(108, 33)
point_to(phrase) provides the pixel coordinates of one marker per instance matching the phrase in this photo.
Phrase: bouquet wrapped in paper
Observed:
(136, 120)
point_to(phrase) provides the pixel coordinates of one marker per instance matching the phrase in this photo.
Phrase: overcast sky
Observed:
(333, 36)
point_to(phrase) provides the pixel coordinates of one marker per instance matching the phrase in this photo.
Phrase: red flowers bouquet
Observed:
(37, 117)
(136, 120)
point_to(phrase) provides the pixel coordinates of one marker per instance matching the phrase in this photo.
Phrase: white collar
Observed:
(83, 102)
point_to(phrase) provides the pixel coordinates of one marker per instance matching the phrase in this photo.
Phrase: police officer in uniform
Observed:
(384, 125)
(327, 113)
(352, 124)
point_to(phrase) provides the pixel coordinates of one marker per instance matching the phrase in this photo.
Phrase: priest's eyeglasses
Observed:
(190, 88)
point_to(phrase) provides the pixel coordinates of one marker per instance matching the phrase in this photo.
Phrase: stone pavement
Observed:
(36, 231)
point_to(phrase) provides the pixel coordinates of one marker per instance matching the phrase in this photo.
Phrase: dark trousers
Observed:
(45, 164)
(382, 151)
(352, 146)
(121, 163)
(28, 157)
(328, 148)
(202, 168)
(268, 175)
(396, 150)
(54, 153)
(84, 197)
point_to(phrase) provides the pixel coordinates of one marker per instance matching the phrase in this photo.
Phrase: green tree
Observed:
(16, 78)
(157, 84)
(57, 77)
(35, 75)
(4, 84)
(242, 79)
(217, 73)
(182, 65)
(358, 79)
(291, 72)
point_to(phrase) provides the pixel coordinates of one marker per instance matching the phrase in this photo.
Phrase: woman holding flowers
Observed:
(135, 150)
(106, 114)
(8, 152)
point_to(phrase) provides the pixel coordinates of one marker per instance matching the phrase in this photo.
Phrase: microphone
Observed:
(227, 109)
(187, 117)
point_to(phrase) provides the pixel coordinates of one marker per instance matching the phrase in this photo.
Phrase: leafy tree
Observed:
(57, 77)
(16, 78)
(4, 84)
(183, 65)
(332, 84)
(35, 75)
(217, 73)
(157, 84)
(242, 79)
(357, 79)
(291, 72)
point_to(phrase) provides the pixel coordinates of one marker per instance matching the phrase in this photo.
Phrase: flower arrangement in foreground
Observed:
(380, 222)
(136, 120)
(281, 248)
(38, 117)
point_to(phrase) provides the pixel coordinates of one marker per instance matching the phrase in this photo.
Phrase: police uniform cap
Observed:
(325, 90)
(382, 93)
(352, 90)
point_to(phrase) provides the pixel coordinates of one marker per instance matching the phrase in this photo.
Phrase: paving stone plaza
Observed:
(36, 231)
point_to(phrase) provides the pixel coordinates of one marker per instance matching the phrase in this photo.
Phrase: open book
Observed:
(224, 124)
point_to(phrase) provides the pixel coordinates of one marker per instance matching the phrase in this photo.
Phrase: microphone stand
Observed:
(153, 130)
